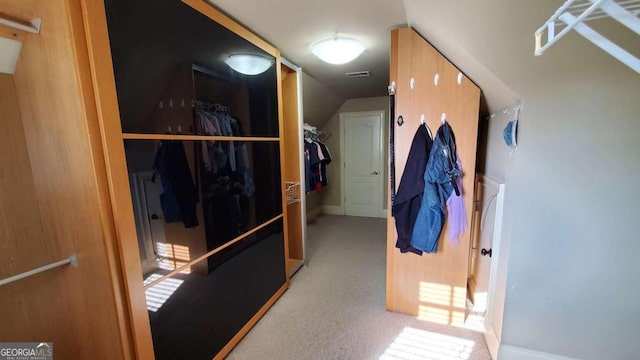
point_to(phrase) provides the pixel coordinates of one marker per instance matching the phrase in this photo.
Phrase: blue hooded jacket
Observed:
(439, 181)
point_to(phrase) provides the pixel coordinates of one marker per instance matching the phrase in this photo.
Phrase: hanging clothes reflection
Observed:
(226, 179)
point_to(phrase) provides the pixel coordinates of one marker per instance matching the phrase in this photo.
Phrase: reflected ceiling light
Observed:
(249, 64)
(338, 50)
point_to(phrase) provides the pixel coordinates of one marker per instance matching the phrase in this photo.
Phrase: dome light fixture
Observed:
(338, 50)
(249, 64)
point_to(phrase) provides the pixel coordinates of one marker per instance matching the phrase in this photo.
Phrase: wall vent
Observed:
(358, 74)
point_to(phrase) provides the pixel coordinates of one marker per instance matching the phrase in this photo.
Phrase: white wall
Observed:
(572, 283)
(331, 195)
(494, 155)
(319, 104)
(572, 194)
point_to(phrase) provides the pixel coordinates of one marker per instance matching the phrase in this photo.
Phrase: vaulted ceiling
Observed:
(490, 41)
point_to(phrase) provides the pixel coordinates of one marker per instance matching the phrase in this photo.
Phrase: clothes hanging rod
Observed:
(573, 14)
(73, 260)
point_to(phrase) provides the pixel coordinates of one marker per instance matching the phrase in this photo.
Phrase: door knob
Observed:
(486, 252)
(374, 173)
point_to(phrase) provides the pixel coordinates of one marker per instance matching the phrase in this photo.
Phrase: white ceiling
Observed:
(490, 41)
(293, 26)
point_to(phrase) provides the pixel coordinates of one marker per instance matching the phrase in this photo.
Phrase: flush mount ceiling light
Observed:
(338, 50)
(248, 64)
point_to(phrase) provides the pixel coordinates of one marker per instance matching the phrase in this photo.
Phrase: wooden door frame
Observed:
(490, 335)
(382, 212)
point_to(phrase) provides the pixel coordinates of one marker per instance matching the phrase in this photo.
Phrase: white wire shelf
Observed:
(573, 14)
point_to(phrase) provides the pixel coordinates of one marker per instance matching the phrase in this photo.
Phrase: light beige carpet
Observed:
(334, 308)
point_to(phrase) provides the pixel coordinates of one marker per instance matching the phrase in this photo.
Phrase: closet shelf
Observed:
(573, 15)
(133, 136)
(293, 192)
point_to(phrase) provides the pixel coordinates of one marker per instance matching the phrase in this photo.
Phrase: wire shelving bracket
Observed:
(573, 14)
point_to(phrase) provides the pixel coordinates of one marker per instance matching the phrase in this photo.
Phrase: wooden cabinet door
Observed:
(431, 286)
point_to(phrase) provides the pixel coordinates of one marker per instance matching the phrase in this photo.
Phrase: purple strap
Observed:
(457, 212)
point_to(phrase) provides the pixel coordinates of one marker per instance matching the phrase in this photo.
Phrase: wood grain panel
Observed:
(291, 140)
(101, 67)
(431, 286)
(133, 136)
(291, 127)
(295, 231)
(21, 229)
(11, 33)
(69, 192)
(283, 160)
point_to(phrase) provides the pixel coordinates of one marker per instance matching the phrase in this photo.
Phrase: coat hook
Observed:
(169, 129)
(412, 83)
(436, 79)
(170, 102)
(392, 88)
(422, 119)
(443, 118)
(182, 103)
(179, 130)
(460, 78)
(193, 103)
(160, 105)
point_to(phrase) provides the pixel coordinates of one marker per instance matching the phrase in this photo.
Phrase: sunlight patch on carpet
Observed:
(416, 344)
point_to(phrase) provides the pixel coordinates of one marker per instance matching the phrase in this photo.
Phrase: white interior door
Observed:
(363, 167)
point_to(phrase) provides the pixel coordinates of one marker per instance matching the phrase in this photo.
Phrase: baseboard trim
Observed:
(312, 214)
(493, 343)
(510, 352)
(332, 210)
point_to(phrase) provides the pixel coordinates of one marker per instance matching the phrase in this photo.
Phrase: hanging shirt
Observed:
(320, 154)
(227, 130)
(204, 126)
(314, 176)
(323, 164)
(307, 169)
(457, 213)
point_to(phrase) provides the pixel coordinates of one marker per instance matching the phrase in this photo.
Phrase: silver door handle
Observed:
(373, 173)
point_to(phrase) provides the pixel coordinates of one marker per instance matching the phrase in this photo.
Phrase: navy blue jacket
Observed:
(409, 197)
(179, 195)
